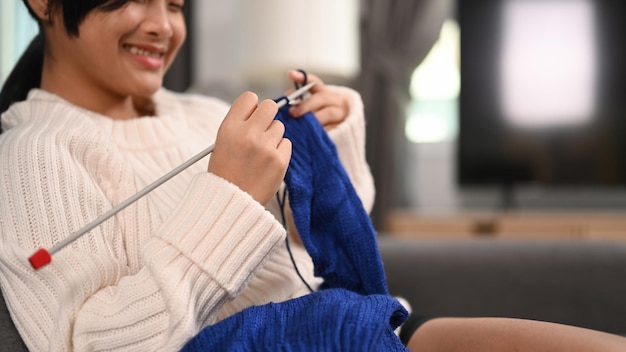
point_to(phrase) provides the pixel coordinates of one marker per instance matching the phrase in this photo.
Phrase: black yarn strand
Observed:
(281, 204)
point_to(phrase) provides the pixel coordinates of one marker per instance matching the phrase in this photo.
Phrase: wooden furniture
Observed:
(522, 224)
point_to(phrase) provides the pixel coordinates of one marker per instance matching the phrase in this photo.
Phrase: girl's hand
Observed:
(250, 150)
(329, 108)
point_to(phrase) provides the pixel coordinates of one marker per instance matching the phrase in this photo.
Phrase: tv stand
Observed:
(565, 225)
(507, 196)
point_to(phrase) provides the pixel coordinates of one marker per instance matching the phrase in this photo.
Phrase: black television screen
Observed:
(543, 92)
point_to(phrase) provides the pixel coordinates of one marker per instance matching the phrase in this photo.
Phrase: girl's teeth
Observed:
(137, 51)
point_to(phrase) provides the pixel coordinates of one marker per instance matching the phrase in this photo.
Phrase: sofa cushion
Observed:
(571, 282)
(9, 337)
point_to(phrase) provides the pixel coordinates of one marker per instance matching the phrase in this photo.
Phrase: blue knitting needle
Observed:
(43, 257)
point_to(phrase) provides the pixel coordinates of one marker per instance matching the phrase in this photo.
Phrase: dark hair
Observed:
(26, 73)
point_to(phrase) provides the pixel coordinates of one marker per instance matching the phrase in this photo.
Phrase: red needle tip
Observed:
(40, 258)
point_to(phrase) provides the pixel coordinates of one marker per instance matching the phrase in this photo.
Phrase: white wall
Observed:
(215, 22)
(214, 49)
(216, 60)
(249, 45)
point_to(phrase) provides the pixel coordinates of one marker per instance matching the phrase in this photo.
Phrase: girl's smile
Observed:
(117, 58)
(150, 57)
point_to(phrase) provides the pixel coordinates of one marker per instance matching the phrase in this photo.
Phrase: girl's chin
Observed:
(148, 87)
(149, 81)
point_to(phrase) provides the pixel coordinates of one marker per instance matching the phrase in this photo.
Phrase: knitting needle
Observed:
(43, 257)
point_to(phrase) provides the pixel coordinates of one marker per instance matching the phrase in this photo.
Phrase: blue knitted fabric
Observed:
(353, 310)
(330, 218)
(328, 320)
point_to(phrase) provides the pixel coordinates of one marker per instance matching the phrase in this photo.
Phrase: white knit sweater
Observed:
(192, 252)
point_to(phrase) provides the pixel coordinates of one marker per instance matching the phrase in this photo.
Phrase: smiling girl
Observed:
(86, 124)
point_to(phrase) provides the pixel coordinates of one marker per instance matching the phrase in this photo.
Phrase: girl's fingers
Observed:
(275, 131)
(264, 114)
(317, 102)
(298, 77)
(330, 116)
(329, 107)
(250, 149)
(243, 107)
(284, 148)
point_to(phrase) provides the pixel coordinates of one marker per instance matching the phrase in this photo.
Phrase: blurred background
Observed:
(475, 110)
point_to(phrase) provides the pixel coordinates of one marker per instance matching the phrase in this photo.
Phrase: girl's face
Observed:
(121, 53)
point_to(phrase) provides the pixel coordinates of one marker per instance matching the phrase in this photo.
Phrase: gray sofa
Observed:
(579, 283)
(10, 340)
(571, 282)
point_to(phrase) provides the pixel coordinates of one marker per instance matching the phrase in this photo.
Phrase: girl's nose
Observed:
(157, 21)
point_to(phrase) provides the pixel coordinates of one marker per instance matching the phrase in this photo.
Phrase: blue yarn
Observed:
(328, 320)
(330, 218)
(353, 311)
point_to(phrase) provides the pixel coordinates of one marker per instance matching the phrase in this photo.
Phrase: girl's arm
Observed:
(140, 281)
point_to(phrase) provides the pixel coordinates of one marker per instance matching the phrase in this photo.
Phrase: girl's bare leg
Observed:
(505, 334)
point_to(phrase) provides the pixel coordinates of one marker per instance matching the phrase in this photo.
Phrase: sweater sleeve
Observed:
(89, 297)
(349, 138)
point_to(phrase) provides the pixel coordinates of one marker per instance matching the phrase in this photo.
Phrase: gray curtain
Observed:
(179, 76)
(396, 36)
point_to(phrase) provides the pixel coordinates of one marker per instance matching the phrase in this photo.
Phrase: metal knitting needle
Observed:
(43, 257)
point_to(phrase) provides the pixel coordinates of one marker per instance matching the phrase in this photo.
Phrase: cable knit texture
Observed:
(353, 311)
(191, 253)
(327, 320)
(332, 223)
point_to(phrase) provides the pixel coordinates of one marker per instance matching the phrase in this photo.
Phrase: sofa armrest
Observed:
(9, 337)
